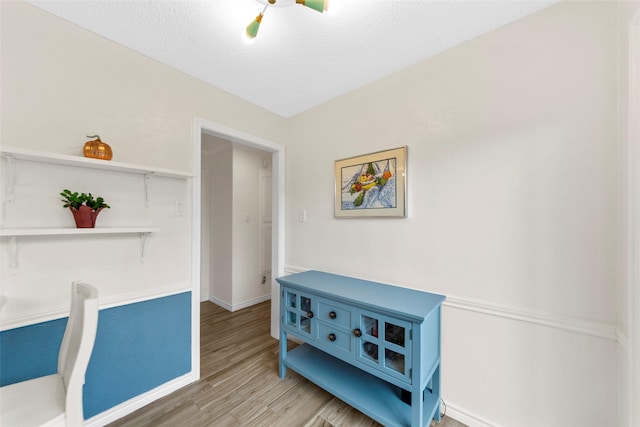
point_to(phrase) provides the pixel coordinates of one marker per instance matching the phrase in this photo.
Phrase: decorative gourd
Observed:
(97, 149)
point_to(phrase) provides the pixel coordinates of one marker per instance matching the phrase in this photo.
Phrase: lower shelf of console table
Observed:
(374, 397)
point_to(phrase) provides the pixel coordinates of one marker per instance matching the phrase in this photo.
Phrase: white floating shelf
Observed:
(84, 162)
(14, 233)
(9, 232)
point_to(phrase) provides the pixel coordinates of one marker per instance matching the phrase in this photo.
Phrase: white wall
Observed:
(60, 83)
(513, 164)
(39, 288)
(219, 189)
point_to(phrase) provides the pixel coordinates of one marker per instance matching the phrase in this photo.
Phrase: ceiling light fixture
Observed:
(252, 29)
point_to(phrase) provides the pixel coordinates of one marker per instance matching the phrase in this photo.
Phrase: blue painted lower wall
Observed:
(28, 352)
(138, 347)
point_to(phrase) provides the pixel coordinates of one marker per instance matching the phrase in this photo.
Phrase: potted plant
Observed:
(84, 207)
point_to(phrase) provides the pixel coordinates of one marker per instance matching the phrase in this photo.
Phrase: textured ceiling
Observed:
(301, 58)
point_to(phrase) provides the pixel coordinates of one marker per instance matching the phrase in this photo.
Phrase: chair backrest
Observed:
(77, 345)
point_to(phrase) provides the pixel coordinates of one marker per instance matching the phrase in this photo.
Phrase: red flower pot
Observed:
(85, 216)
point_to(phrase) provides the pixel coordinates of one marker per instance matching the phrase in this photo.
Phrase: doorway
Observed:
(200, 127)
(236, 223)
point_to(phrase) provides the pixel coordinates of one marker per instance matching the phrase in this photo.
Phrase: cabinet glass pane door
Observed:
(394, 334)
(298, 312)
(305, 319)
(385, 344)
(369, 338)
(290, 302)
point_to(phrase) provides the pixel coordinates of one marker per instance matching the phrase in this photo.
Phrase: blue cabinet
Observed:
(375, 346)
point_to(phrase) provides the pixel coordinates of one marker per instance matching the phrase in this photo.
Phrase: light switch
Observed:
(179, 208)
(303, 215)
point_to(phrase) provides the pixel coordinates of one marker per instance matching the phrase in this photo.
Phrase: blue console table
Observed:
(374, 346)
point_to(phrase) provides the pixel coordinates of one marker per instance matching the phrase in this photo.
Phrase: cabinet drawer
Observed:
(334, 314)
(342, 339)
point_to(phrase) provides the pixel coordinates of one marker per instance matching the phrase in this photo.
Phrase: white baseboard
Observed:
(466, 417)
(244, 304)
(141, 400)
(221, 303)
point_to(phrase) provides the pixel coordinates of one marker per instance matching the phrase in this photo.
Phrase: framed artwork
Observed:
(372, 185)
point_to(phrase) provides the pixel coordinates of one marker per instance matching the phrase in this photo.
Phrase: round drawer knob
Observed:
(332, 337)
(357, 332)
(333, 315)
(310, 314)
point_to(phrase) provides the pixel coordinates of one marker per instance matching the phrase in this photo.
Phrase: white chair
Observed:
(56, 400)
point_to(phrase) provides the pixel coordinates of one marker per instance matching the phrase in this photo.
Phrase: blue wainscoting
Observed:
(30, 351)
(138, 347)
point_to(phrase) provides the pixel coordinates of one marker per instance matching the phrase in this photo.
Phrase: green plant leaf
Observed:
(74, 200)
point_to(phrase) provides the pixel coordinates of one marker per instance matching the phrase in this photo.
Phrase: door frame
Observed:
(629, 301)
(201, 126)
(632, 290)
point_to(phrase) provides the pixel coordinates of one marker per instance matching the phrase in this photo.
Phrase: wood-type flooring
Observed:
(239, 384)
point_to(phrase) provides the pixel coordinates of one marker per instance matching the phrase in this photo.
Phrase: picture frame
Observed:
(372, 185)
